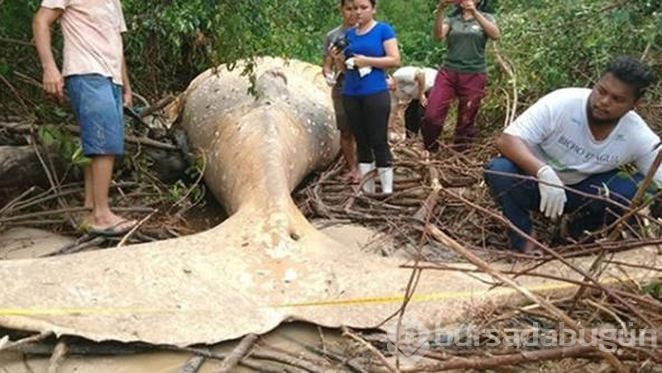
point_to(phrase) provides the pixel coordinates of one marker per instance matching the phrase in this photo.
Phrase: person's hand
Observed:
(53, 83)
(127, 97)
(390, 83)
(423, 100)
(469, 5)
(443, 4)
(337, 55)
(552, 197)
(330, 79)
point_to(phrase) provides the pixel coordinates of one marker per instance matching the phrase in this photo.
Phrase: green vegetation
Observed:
(550, 43)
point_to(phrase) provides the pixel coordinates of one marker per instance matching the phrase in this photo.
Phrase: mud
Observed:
(289, 337)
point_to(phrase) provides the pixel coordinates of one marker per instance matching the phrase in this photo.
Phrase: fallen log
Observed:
(166, 160)
(20, 167)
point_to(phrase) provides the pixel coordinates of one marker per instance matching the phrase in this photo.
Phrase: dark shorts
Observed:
(336, 96)
(97, 104)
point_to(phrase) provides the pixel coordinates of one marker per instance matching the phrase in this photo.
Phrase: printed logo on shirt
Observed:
(580, 151)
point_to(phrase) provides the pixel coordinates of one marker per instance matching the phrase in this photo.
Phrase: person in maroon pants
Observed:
(463, 73)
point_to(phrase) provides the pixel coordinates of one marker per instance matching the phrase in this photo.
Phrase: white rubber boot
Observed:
(386, 179)
(364, 169)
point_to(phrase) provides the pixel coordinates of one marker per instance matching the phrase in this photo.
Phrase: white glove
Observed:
(330, 79)
(552, 198)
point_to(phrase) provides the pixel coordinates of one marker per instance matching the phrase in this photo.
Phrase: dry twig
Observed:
(238, 353)
(453, 245)
(371, 348)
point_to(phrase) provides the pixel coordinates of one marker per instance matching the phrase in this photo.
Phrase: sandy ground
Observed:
(23, 243)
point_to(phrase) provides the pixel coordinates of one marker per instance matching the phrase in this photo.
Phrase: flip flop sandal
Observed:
(112, 231)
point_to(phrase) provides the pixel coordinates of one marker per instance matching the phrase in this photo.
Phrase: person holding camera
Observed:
(464, 71)
(573, 141)
(335, 76)
(372, 49)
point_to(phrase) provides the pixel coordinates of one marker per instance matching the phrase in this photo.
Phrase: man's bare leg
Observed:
(89, 196)
(101, 174)
(348, 147)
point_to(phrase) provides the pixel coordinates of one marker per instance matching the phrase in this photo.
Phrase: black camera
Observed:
(340, 43)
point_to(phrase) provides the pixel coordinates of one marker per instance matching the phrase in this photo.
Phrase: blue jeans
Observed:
(518, 197)
(97, 105)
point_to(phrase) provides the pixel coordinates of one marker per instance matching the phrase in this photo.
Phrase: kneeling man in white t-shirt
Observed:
(577, 138)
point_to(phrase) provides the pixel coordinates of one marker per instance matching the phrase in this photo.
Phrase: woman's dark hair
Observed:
(633, 72)
(342, 2)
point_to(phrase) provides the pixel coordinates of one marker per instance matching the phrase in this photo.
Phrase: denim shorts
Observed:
(97, 104)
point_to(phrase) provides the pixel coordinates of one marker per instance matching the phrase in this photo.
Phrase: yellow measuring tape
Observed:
(424, 297)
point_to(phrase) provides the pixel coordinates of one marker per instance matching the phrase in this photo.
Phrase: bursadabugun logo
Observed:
(413, 342)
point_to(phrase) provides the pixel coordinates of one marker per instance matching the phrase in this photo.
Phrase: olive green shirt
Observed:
(466, 44)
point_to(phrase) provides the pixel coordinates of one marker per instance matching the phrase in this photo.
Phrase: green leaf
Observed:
(60, 112)
(653, 289)
(46, 135)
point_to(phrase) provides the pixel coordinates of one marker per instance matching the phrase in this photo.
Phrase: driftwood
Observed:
(193, 364)
(58, 356)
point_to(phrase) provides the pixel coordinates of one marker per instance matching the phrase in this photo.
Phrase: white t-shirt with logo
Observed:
(406, 86)
(556, 129)
(92, 36)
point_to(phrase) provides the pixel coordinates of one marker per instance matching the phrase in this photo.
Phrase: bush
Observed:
(551, 43)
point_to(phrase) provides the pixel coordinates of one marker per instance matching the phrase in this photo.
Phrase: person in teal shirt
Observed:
(463, 73)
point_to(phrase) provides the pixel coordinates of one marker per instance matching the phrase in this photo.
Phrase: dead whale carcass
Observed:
(260, 147)
(265, 264)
